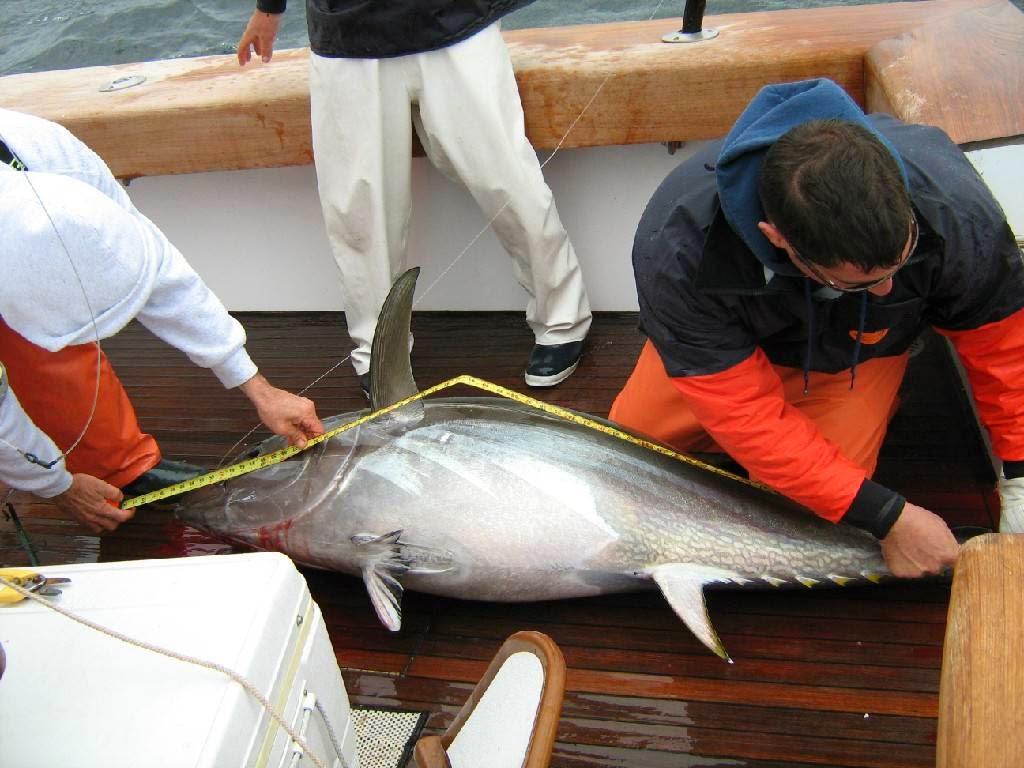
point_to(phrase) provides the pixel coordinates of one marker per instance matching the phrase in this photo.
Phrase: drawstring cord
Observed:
(808, 354)
(860, 335)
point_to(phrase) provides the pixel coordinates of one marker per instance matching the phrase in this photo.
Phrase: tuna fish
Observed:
(489, 499)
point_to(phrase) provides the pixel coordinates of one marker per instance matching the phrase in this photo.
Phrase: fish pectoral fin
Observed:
(683, 584)
(386, 595)
(380, 553)
(387, 557)
(385, 539)
(389, 551)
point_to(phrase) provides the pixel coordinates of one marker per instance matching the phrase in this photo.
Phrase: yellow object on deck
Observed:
(21, 577)
(25, 580)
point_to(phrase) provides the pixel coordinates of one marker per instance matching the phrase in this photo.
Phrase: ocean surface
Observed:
(63, 34)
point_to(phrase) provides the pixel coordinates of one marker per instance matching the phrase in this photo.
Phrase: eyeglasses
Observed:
(867, 285)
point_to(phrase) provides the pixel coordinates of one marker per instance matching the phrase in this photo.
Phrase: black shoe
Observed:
(552, 363)
(165, 473)
(364, 384)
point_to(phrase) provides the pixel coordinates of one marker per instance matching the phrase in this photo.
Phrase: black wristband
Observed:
(1013, 469)
(271, 6)
(874, 509)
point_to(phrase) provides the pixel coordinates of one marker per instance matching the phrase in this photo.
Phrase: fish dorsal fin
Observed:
(682, 584)
(384, 589)
(390, 368)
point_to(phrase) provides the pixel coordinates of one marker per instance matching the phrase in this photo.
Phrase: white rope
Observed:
(251, 689)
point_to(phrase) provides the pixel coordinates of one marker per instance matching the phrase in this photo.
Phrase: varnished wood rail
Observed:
(207, 114)
(963, 73)
(982, 690)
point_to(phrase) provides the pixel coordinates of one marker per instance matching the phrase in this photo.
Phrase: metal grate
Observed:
(386, 737)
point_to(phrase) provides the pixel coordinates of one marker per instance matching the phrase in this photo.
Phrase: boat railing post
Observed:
(693, 21)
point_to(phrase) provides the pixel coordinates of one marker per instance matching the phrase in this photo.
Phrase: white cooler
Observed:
(74, 697)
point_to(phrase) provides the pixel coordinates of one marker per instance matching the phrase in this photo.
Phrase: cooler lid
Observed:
(74, 697)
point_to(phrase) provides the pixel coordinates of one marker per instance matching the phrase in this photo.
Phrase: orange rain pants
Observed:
(854, 421)
(56, 389)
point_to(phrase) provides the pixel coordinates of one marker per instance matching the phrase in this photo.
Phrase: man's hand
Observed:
(91, 502)
(259, 36)
(288, 415)
(1011, 505)
(919, 543)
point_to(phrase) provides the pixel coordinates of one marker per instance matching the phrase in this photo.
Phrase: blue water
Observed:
(62, 34)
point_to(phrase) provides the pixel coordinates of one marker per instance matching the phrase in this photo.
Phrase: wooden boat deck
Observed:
(840, 677)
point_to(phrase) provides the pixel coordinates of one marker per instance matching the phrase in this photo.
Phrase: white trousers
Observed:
(464, 103)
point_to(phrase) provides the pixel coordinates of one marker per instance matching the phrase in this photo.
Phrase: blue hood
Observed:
(771, 113)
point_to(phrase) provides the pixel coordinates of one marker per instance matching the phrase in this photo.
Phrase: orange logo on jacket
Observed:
(870, 337)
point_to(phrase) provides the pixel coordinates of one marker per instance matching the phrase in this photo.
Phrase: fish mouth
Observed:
(242, 508)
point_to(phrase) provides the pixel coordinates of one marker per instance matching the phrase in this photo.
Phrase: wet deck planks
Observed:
(830, 678)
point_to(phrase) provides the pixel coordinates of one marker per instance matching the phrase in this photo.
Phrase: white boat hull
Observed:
(257, 236)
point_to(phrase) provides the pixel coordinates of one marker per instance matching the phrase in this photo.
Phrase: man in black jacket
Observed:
(783, 274)
(378, 68)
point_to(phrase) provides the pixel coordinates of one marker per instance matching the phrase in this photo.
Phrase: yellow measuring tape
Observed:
(251, 465)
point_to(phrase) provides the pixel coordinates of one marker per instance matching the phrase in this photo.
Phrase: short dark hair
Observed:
(835, 192)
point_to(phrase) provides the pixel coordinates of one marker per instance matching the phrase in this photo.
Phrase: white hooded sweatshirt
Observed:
(78, 262)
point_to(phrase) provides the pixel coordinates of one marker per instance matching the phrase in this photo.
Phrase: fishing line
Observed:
(550, 157)
(30, 457)
(11, 514)
(423, 294)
